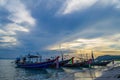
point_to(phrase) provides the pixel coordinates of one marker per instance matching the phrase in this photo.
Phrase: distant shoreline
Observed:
(7, 58)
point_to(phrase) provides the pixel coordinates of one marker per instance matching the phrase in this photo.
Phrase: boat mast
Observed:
(62, 55)
(92, 55)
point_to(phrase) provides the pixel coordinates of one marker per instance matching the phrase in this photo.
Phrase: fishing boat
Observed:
(61, 63)
(94, 62)
(76, 65)
(88, 63)
(30, 64)
(100, 63)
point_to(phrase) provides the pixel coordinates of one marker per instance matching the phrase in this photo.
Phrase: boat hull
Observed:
(61, 63)
(45, 64)
(81, 64)
(100, 63)
(86, 65)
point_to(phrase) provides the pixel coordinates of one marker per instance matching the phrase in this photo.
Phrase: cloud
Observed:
(14, 27)
(19, 13)
(114, 3)
(8, 41)
(20, 20)
(90, 24)
(71, 6)
(102, 43)
(2, 2)
(102, 34)
(74, 5)
(11, 29)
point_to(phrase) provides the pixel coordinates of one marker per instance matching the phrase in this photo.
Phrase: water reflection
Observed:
(9, 72)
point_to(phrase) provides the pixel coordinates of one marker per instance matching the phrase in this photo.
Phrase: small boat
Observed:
(35, 65)
(100, 63)
(86, 64)
(76, 65)
(61, 63)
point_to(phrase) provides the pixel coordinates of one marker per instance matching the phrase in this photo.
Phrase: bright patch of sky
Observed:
(71, 6)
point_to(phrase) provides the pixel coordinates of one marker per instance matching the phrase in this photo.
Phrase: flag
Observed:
(57, 62)
(71, 61)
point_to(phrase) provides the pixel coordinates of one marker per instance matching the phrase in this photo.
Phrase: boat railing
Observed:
(35, 59)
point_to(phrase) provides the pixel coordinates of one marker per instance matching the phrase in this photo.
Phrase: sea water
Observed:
(8, 71)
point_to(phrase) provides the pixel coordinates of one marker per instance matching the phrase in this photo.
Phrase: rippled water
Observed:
(8, 71)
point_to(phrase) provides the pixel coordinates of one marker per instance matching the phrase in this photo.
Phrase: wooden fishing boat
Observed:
(61, 63)
(76, 65)
(44, 64)
(86, 64)
(100, 63)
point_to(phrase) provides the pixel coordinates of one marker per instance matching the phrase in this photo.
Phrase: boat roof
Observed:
(33, 56)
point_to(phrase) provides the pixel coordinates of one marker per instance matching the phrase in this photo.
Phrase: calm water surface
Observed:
(8, 71)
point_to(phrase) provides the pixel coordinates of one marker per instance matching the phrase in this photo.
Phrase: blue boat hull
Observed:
(36, 65)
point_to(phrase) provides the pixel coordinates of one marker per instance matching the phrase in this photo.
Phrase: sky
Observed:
(49, 26)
